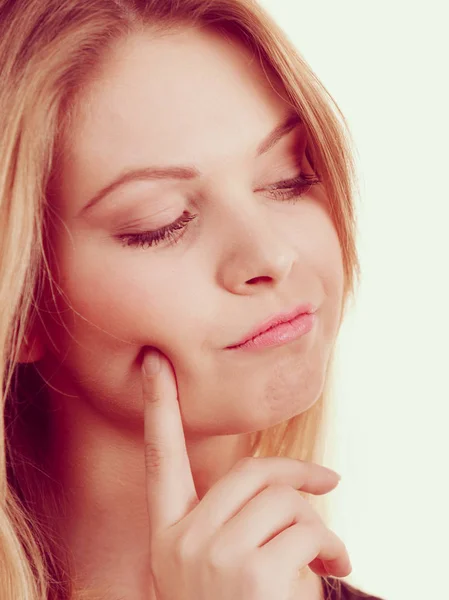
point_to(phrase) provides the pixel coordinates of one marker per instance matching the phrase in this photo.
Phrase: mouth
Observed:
(279, 329)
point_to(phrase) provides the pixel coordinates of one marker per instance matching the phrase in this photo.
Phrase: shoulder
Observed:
(336, 589)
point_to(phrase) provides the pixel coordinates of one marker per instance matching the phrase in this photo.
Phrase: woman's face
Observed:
(191, 98)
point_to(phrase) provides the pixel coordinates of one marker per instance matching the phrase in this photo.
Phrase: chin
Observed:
(295, 394)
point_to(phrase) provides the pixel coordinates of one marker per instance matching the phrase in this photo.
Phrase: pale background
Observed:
(385, 62)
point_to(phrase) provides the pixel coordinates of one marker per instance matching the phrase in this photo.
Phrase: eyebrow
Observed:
(189, 172)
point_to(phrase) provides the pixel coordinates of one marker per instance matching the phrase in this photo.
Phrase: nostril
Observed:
(261, 278)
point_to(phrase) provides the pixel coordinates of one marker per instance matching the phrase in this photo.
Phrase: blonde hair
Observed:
(48, 50)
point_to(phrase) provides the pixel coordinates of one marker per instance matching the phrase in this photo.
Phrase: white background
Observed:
(386, 63)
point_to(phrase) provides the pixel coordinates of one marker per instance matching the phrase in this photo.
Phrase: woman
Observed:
(173, 177)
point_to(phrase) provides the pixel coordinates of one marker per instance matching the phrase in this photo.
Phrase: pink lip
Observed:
(280, 328)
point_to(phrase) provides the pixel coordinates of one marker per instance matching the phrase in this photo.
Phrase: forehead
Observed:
(193, 96)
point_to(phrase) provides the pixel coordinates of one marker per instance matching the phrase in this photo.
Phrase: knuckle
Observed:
(322, 533)
(156, 544)
(161, 552)
(312, 536)
(184, 548)
(252, 578)
(154, 457)
(308, 514)
(333, 538)
(293, 501)
(217, 555)
(246, 462)
(284, 490)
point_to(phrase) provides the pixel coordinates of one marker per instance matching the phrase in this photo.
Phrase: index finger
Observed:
(170, 488)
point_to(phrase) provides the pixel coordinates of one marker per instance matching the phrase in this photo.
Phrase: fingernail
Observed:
(151, 363)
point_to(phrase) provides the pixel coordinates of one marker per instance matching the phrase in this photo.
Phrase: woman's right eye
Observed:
(144, 239)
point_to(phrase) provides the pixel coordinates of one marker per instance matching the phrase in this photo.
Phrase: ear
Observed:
(32, 349)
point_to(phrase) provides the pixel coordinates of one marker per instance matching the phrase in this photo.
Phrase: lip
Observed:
(275, 320)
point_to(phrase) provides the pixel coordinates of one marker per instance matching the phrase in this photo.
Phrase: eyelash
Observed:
(289, 190)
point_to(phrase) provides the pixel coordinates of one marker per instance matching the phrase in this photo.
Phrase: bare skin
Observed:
(246, 256)
(250, 535)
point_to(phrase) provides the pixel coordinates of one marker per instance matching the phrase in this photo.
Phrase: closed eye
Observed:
(290, 190)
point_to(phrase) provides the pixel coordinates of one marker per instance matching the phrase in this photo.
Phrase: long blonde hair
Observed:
(48, 49)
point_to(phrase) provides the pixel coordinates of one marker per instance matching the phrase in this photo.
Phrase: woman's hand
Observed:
(251, 532)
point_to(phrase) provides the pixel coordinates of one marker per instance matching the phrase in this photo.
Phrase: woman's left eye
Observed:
(287, 190)
(293, 188)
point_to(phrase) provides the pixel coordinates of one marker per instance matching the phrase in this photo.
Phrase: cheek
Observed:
(118, 297)
(326, 260)
(102, 301)
(105, 289)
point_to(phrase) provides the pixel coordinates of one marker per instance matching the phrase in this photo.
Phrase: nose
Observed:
(255, 252)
